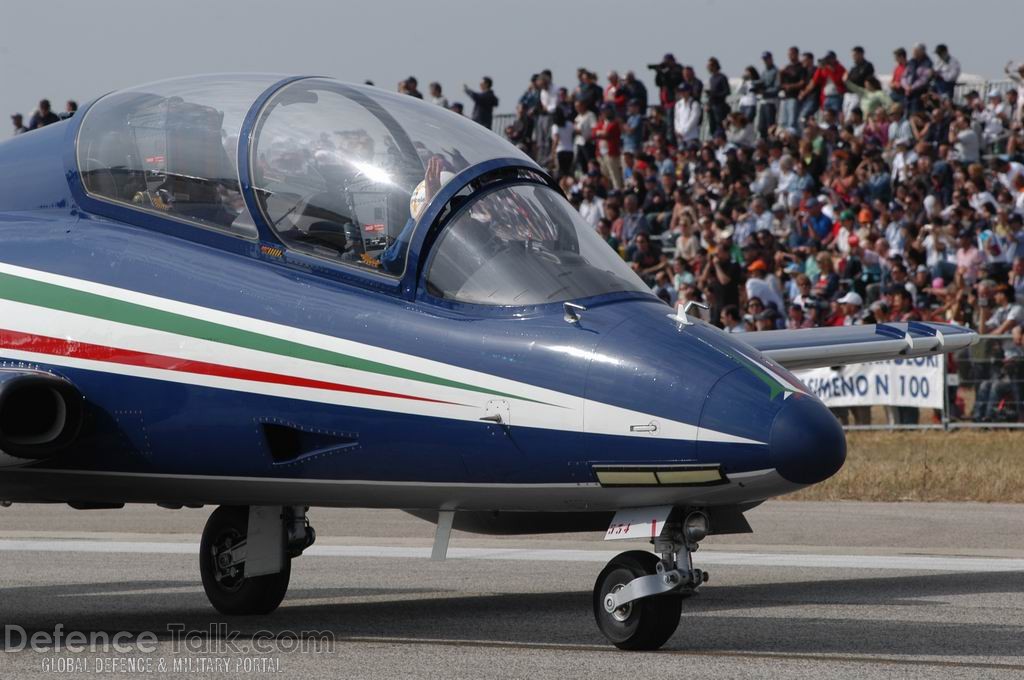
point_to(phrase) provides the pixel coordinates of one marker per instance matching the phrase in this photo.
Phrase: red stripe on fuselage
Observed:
(41, 344)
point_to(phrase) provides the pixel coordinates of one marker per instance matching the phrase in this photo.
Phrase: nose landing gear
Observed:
(638, 597)
(245, 556)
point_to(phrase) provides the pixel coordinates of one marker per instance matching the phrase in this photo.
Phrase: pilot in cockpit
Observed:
(392, 259)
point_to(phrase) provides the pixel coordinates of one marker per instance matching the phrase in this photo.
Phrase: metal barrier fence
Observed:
(500, 121)
(983, 387)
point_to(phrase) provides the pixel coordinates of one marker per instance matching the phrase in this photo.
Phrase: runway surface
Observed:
(854, 590)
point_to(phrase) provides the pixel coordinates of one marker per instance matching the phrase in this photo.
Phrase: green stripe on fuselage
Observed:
(62, 298)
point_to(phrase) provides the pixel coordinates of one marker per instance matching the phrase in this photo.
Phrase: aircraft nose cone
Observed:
(806, 444)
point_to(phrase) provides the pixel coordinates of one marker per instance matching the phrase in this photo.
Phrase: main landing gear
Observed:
(245, 556)
(638, 597)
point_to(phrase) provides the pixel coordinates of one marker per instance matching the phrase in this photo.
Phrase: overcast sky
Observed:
(82, 48)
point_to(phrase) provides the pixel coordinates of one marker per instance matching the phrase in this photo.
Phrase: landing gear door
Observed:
(634, 523)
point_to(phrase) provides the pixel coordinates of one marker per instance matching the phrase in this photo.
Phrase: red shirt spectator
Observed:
(615, 94)
(608, 135)
(829, 80)
(897, 76)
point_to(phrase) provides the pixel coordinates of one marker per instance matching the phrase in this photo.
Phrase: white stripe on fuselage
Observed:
(561, 412)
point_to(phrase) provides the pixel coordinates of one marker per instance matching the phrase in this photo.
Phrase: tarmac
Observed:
(830, 590)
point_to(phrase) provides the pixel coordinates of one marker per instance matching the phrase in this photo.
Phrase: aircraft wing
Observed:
(834, 346)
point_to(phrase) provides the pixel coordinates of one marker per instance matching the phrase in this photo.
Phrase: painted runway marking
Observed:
(719, 558)
(711, 653)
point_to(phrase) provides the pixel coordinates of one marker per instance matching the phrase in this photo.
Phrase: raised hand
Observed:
(433, 177)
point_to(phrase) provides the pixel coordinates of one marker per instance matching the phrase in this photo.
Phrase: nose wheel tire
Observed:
(224, 580)
(643, 624)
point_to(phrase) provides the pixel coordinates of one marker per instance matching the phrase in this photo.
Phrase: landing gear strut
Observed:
(638, 598)
(245, 556)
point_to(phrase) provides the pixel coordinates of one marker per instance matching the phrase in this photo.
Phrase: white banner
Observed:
(902, 382)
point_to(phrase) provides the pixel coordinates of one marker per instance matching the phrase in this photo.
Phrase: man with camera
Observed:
(667, 76)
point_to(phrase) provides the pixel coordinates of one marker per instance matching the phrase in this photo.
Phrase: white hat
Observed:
(851, 298)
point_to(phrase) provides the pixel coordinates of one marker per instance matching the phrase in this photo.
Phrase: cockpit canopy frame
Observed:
(347, 181)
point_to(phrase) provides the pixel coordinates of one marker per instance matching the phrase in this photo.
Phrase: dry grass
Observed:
(928, 466)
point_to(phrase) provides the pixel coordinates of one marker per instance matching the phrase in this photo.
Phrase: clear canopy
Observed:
(171, 147)
(344, 171)
(524, 245)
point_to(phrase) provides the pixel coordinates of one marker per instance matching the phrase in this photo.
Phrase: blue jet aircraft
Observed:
(267, 294)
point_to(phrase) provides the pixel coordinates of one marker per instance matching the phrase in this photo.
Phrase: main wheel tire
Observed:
(644, 624)
(233, 594)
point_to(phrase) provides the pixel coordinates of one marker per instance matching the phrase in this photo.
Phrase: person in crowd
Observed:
(856, 81)
(615, 94)
(739, 130)
(436, 96)
(829, 81)
(632, 222)
(695, 83)
(43, 116)
(635, 90)
(484, 101)
(850, 310)
(412, 88)
(768, 88)
(917, 78)
(721, 278)
(608, 144)
(562, 147)
(547, 96)
(732, 320)
(604, 229)
(747, 92)
(645, 258)
(587, 90)
(583, 138)
(688, 115)
(896, 91)
(718, 92)
(520, 132)
(792, 81)
(809, 97)
(592, 207)
(947, 71)
(758, 286)
(634, 128)
(667, 76)
(19, 124)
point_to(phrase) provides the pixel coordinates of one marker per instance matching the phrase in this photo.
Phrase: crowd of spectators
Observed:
(809, 193)
(42, 116)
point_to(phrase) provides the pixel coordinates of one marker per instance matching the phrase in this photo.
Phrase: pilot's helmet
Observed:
(418, 200)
